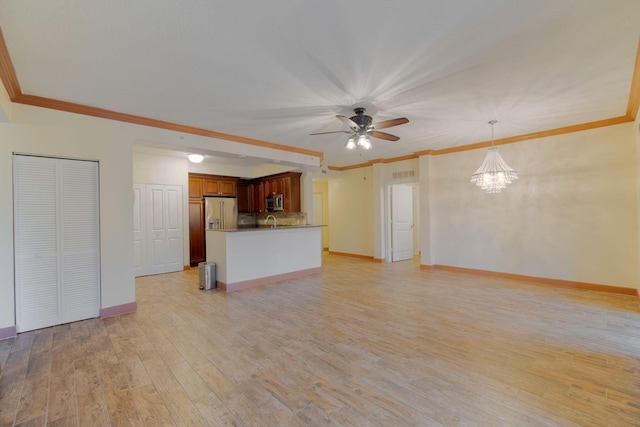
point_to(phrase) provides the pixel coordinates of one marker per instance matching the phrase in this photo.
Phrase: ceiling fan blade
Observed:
(389, 123)
(383, 135)
(324, 133)
(347, 121)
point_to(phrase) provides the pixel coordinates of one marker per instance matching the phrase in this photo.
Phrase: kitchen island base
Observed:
(256, 257)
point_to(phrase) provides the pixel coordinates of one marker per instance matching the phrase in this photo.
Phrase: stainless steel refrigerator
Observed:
(221, 213)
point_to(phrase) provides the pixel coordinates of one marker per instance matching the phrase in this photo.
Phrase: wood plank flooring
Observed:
(361, 344)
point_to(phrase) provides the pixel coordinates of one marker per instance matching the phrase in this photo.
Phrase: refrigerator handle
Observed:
(222, 215)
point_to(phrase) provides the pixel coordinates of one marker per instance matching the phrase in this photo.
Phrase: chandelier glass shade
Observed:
(358, 140)
(494, 174)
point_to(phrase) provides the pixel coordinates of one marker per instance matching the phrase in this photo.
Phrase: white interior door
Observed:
(139, 230)
(401, 222)
(173, 228)
(56, 237)
(156, 235)
(162, 214)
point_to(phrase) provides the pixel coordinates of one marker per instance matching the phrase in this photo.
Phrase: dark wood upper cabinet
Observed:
(201, 185)
(219, 187)
(244, 198)
(195, 188)
(287, 184)
(259, 196)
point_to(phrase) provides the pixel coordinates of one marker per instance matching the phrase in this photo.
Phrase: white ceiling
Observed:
(279, 70)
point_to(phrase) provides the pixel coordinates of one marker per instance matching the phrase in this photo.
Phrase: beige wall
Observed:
(351, 213)
(52, 133)
(572, 215)
(636, 131)
(323, 188)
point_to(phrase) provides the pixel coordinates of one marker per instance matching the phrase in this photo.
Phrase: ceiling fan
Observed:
(362, 127)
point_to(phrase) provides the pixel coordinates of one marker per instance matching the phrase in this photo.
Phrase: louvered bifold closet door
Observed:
(79, 241)
(57, 271)
(35, 205)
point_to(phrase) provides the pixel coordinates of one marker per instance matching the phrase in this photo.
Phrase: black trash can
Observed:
(207, 274)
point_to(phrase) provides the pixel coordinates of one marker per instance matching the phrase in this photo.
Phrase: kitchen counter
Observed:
(270, 228)
(250, 257)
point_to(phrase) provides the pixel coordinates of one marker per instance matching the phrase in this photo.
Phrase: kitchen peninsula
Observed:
(252, 257)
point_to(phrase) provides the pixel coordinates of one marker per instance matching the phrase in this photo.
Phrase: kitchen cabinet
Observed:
(201, 185)
(196, 232)
(244, 197)
(287, 184)
(276, 186)
(219, 187)
(291, 192)
(259, 196)
(195, 188)
(251, 196)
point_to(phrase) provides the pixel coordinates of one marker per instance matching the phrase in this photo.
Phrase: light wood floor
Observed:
(361, 344)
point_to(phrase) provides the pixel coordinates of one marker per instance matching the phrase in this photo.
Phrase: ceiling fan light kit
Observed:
(362, 127)
(364, 142)
(351, 143)
(494, 174)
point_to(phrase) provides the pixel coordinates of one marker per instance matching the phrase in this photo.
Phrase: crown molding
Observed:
(634, 95)
(536, 135)
(12, 85)
(9, 79)
(633, 105)
(7, 72)
(374, 162)
(54, 104)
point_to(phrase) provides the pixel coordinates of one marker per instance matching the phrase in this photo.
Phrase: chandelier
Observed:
(494, 174)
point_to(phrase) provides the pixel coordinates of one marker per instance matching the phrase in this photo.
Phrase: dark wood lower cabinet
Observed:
(196, 232)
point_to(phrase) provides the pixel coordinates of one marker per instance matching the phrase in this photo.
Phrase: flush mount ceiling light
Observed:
(494, 174)
(195, 158)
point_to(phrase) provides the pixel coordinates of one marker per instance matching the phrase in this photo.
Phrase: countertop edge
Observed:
(284, 227)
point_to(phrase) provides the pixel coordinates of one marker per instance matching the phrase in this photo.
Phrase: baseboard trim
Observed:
(187, 267)
(6, 333)
(246, 284)
(379, 260)
(351, 255)
(117, 310)
(426, 267)
(325, 249)
(540, 280)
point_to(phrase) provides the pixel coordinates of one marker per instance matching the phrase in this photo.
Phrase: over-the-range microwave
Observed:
(275, 202)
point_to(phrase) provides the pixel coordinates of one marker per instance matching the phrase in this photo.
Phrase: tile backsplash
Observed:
(283, 218)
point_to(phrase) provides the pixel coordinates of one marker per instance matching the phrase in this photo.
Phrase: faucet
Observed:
(266, 221)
